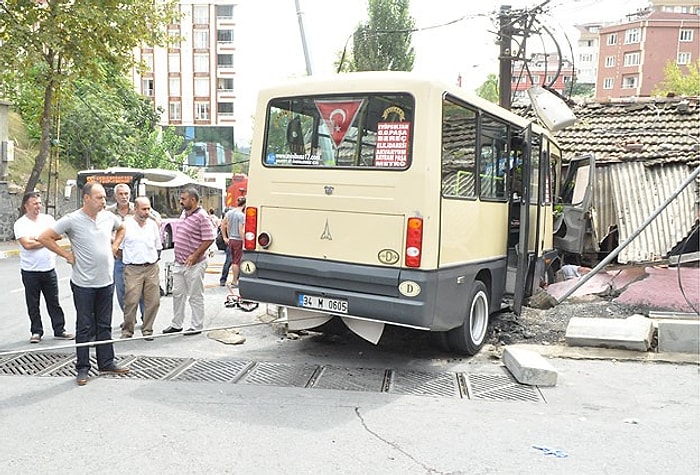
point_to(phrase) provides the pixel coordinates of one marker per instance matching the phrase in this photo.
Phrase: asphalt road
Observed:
(604, 416)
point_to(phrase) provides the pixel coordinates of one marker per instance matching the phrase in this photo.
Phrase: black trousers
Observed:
(35, 284)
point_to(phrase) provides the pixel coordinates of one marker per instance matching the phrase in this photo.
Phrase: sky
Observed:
(457, 38)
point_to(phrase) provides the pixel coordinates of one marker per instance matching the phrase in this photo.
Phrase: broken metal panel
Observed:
(637, 191)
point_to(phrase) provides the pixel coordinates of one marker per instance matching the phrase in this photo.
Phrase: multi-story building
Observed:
(192, 80)
(588, 45)
(541, 70)
(633, 54)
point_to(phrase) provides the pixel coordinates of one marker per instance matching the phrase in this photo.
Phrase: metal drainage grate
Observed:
(155, 367)
(34, 364)
(280, 374)
(420, 383)
(350, 379)
(500, 387)
(222, 371)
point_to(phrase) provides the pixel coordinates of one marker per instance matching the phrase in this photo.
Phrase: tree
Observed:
(489, 89)
(54, 42)
(108, 123)
(679, 82)
(384, 42)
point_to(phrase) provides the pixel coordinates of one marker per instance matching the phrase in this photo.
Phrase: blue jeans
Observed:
(226, 268)
(93, 313)
(120, 286)
(35, 284)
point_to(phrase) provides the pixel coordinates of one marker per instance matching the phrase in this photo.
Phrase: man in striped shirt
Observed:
(192, 237)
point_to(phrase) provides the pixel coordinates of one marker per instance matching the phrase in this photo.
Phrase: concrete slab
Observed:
(632, 333)
(679, 336)
(529, 367)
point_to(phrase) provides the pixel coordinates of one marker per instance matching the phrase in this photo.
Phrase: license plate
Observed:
(317, 302)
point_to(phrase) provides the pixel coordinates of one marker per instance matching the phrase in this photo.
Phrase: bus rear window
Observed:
(348, 131)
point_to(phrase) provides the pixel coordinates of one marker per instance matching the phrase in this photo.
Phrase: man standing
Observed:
(92, 253)
(233, 227)
(193, 236)
(121, 208)
(38, 268)
(141, 271)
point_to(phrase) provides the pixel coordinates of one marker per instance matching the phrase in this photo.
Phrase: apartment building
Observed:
(588, 45)
(193, 80)
(634, 53)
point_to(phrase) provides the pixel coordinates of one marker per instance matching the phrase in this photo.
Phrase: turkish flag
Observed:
(338, 116)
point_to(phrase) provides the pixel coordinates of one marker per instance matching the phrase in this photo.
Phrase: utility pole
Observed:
(505, 35)
(303, 38)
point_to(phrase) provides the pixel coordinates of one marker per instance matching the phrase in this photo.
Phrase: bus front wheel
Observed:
(470, 336)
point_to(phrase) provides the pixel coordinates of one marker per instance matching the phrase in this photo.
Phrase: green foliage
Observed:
(384, 42)
(489, 89)
(55, 42)
(108, 123)
(582, 89)
(679, 81)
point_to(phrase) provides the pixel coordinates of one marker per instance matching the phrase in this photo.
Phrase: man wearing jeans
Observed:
(92, 257)
(38, 265)
(194, 234)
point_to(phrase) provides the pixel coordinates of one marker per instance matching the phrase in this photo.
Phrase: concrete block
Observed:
(528, 367)
(631, 333)
(679, 336)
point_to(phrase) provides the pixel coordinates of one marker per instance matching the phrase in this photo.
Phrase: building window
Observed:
(201, 111)
(551, 78)
(629, 82)
(633, 35)
(201, 63)
(175, 111)
(174, 39)
(631, 59)
(685, 35)
(225, 108)
(609, 61)
(225, 84)
(147, 87)
(174, 63)
(683, 58)
(200, 15)
(200, 39)
(201, 87)
(147, 59)
(174, 87)
(535, 79)
(224, 60)
(612, 39)
(608, 83)
(224, 36)
(586, 58)
(224, 12)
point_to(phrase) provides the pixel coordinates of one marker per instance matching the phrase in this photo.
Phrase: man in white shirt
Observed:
(140, 249)
(37, 265)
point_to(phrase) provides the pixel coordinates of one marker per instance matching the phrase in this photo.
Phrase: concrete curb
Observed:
(591, 353)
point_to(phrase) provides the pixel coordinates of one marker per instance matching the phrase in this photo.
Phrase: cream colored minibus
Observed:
(389, 199)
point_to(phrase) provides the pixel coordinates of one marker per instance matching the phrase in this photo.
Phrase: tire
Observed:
(468, 338)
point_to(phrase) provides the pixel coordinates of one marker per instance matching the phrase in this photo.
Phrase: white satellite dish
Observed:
(550, 109)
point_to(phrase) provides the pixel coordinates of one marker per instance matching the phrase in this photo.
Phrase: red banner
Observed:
(338, 116)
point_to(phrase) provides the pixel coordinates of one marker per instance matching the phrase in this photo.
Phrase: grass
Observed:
(26, 150)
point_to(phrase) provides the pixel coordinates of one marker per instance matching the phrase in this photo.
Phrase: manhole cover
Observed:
(33, 364)
(154, 367)
(223, 371)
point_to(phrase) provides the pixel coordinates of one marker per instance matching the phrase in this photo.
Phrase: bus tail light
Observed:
(264, 240)
(251, 228)
(414, 242)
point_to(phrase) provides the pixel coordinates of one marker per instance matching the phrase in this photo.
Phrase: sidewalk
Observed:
(11, 248)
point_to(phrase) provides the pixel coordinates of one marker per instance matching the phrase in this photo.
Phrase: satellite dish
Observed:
(550, 109)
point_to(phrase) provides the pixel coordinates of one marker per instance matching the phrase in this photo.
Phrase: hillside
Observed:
(26, 151)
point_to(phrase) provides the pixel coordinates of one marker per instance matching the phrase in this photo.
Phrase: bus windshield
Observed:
(348, 131)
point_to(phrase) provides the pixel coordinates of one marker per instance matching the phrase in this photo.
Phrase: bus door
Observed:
(521, 210)
(574, 228)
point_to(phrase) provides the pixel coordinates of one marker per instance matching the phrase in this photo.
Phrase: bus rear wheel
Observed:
(471, 335)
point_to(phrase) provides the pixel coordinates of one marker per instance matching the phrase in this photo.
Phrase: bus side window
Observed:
(458, 150)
